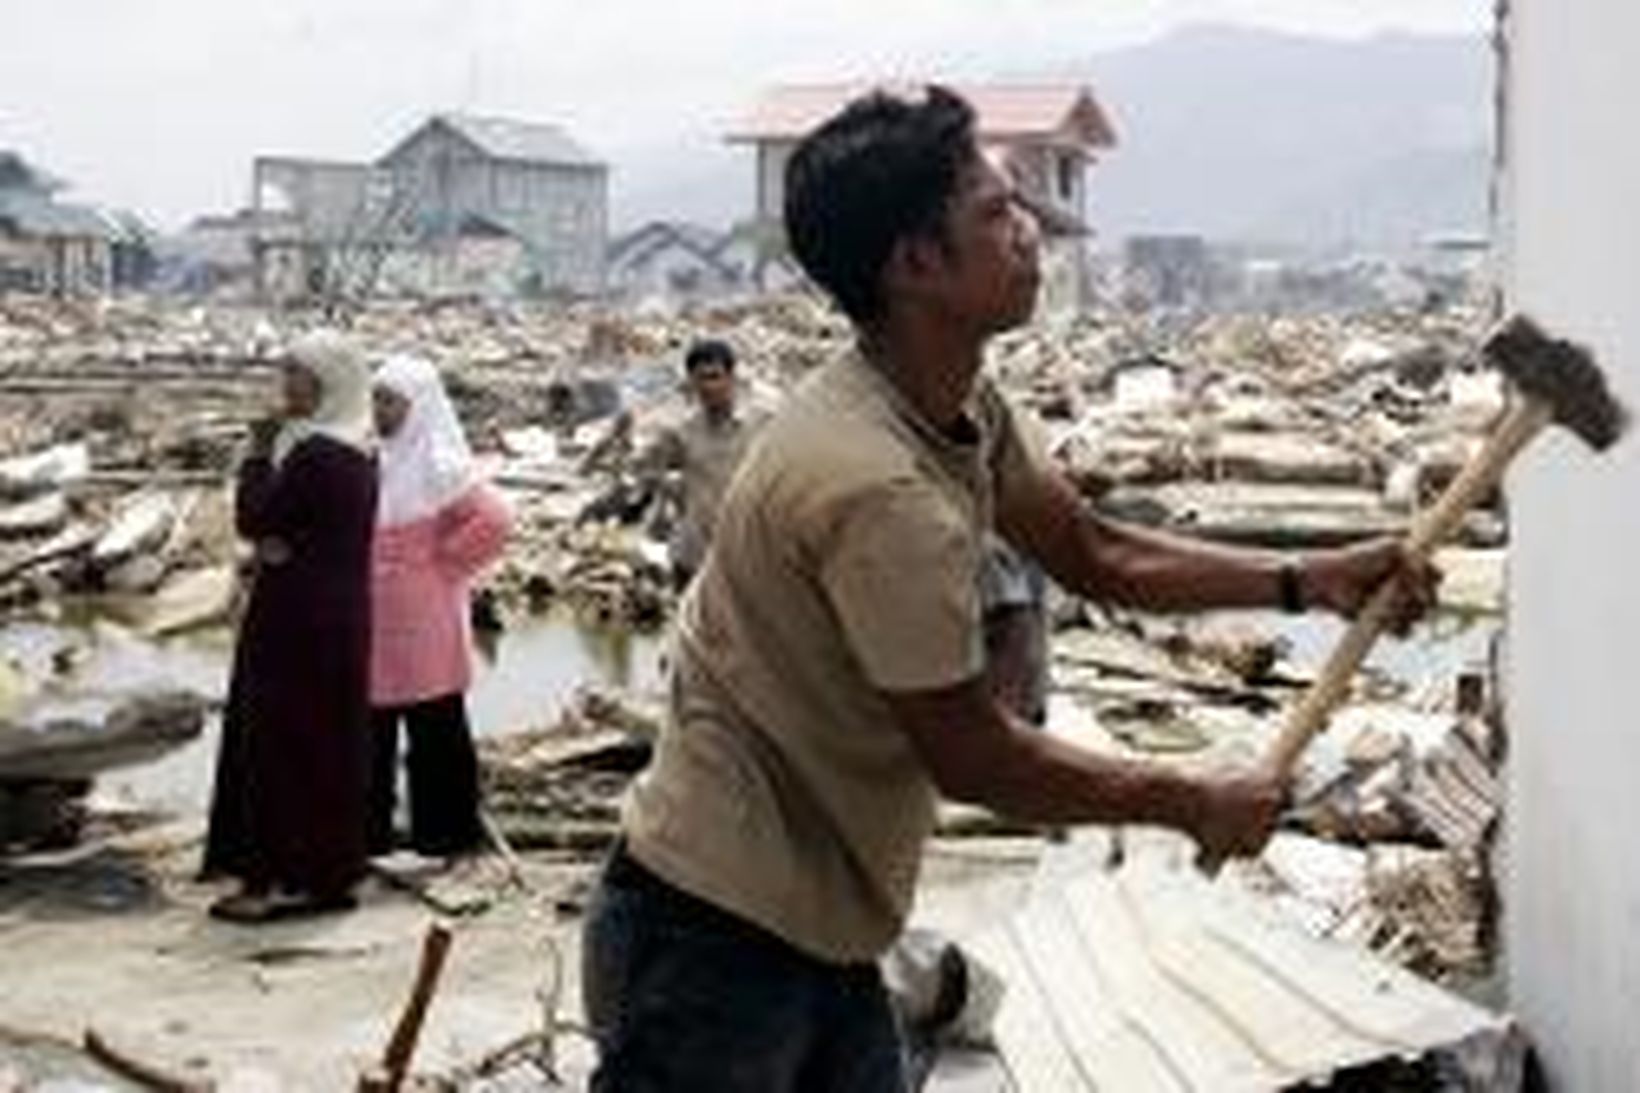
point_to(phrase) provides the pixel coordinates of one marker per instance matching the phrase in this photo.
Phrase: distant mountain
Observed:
(1234, 133)
(1252, 135)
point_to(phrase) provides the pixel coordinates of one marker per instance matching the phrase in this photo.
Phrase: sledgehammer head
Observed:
(1562, 375)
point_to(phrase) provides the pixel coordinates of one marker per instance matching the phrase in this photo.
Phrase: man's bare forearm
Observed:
(1154, 571)
(1118, 563)
(975, 752)
(1053, 782)
(1115, 562)
(1033, 777)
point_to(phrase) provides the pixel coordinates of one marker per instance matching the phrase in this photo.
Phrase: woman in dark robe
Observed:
(288, 811)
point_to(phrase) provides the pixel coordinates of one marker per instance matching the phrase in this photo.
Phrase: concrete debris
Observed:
(561, 787)
(604, 572)
(1386, 773)
(30, 1062)
(139, 523)
(61, 746)
(48, 761)
(1255, 402)
(1472, 581)
(44, 515)
(1273, 431)
(53, 468)
(1427, 910)
(192, 600)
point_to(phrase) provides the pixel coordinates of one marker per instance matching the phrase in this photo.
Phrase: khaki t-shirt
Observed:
(845, 564)
(707, 453)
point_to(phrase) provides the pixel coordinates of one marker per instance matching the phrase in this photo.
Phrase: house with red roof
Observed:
(1053, 134)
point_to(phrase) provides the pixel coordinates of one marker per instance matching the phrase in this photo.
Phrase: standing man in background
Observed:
(704, 451)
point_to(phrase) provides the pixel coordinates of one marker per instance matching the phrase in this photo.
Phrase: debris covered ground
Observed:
(121, 421)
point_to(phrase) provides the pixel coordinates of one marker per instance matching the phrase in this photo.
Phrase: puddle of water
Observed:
(536, 667)
(541, 663)
(105, 662)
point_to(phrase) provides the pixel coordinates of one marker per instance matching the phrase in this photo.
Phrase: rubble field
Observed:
(121, 422)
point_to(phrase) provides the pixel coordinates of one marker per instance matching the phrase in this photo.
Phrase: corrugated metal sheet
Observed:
(1151, 977)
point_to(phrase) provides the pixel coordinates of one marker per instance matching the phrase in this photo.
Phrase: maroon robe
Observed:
(289, 805)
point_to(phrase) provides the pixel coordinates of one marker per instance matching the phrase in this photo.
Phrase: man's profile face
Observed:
(991, 258)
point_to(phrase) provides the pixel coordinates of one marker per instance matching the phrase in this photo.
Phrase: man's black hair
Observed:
(884, 168)
(709, 351)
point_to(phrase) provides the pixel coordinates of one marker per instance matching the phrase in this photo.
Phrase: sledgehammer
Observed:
(1555, 382)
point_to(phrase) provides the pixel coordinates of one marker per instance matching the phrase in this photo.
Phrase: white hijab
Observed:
(343, 413)
(427, 463)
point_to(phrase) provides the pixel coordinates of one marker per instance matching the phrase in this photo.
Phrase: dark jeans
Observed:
(443, 771)
(683, 996)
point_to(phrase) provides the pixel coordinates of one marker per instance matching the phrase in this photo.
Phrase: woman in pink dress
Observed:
(437, 525)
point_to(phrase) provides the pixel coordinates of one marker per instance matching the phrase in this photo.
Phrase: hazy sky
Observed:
(159, 105)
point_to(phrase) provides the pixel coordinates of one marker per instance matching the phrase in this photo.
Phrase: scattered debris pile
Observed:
(1279, 432)
(1387, 840)
(1272, 431)
(121, 421)
(1147, 976)
(561, 788)
(129, 416)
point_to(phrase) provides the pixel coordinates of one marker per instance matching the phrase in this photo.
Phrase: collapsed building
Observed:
(677, 260)
(60, 248)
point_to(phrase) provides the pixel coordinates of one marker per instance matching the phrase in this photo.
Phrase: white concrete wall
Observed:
(1572, 239)
(772, 157)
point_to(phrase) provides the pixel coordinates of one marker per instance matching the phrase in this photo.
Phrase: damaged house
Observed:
(461, 206)
(1051, 132)
(670, 260)
(46, 245)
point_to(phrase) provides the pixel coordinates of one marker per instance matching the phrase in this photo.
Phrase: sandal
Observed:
(251, 909)
(243, 908)
(306, 905)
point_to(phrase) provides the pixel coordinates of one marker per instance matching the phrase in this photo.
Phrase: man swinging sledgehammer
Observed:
(829, 679)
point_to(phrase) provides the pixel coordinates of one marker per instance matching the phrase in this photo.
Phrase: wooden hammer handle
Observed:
(1478, 478)
(396, 1060)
